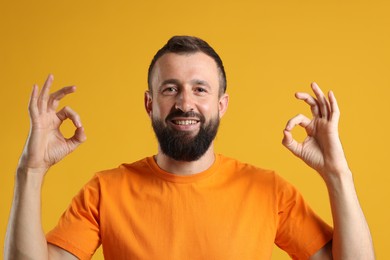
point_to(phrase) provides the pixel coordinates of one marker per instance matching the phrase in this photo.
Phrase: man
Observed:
(186, 202)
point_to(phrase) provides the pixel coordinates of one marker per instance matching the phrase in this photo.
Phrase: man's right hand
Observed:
(45, 144)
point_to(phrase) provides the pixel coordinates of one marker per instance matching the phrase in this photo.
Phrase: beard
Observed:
(182, 145)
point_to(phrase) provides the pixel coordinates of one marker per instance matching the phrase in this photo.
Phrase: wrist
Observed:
(338, 179)
(30, 176)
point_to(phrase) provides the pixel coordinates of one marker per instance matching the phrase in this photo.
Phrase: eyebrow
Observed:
(170, 81)
(193, 82)
(200, 82)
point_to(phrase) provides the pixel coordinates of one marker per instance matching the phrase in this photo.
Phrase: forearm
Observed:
(352, 238)
(25, 238)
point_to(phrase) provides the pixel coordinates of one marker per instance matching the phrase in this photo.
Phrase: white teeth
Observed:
(185, 122)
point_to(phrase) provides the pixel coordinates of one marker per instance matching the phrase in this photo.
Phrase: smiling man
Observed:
(185, 102)
(186, 202)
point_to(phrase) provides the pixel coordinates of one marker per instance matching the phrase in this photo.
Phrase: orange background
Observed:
(271, 49)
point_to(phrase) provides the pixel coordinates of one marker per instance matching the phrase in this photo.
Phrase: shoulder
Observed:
(242, 170)
(121, 173)
(239, 167)
(255, 174)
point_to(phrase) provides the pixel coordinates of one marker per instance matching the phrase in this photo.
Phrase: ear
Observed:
(148, 103)
(223, 104)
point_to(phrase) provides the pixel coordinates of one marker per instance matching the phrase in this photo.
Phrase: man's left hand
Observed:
(321, 149)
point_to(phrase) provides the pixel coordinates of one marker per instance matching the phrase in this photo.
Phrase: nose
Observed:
(184, 101)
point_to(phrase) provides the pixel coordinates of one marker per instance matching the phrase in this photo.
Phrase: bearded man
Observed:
(186, 202)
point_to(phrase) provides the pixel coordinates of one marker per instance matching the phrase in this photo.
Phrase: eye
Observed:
(201, 90)
(169, 90)
(200, 87)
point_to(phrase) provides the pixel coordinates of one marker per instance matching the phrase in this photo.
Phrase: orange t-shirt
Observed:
(230, 211)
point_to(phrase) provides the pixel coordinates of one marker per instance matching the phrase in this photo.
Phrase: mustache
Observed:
(179, 113)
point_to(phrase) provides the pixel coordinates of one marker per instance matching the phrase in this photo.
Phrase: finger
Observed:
(335, 114)
(66, 113)
(322, 101)
(297, 120)
(55, 97)
(44, 95)
(78, 138)
(311, 101)
(32, 104)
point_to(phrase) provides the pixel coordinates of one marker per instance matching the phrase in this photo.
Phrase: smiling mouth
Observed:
(185, 122)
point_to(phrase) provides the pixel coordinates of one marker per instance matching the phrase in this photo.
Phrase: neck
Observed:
(186, 168)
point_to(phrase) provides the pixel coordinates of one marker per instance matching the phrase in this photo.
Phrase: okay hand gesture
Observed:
(45, 144)
(322, 149)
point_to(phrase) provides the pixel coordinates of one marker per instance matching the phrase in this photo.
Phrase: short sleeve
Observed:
(78, 228)
(300, 231)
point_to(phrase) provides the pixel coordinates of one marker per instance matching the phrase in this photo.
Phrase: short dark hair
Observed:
(189, 44)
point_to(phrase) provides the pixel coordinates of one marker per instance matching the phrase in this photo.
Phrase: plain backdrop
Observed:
(270, 49)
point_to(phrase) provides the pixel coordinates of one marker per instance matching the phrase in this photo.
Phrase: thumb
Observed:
(290, 143)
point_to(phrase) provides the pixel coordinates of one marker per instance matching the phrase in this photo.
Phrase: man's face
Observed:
(185, 106)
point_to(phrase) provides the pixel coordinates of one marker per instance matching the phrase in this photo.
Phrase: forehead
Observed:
(185, 67)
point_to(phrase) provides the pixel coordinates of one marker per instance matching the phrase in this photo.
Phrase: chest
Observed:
(171, 221)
